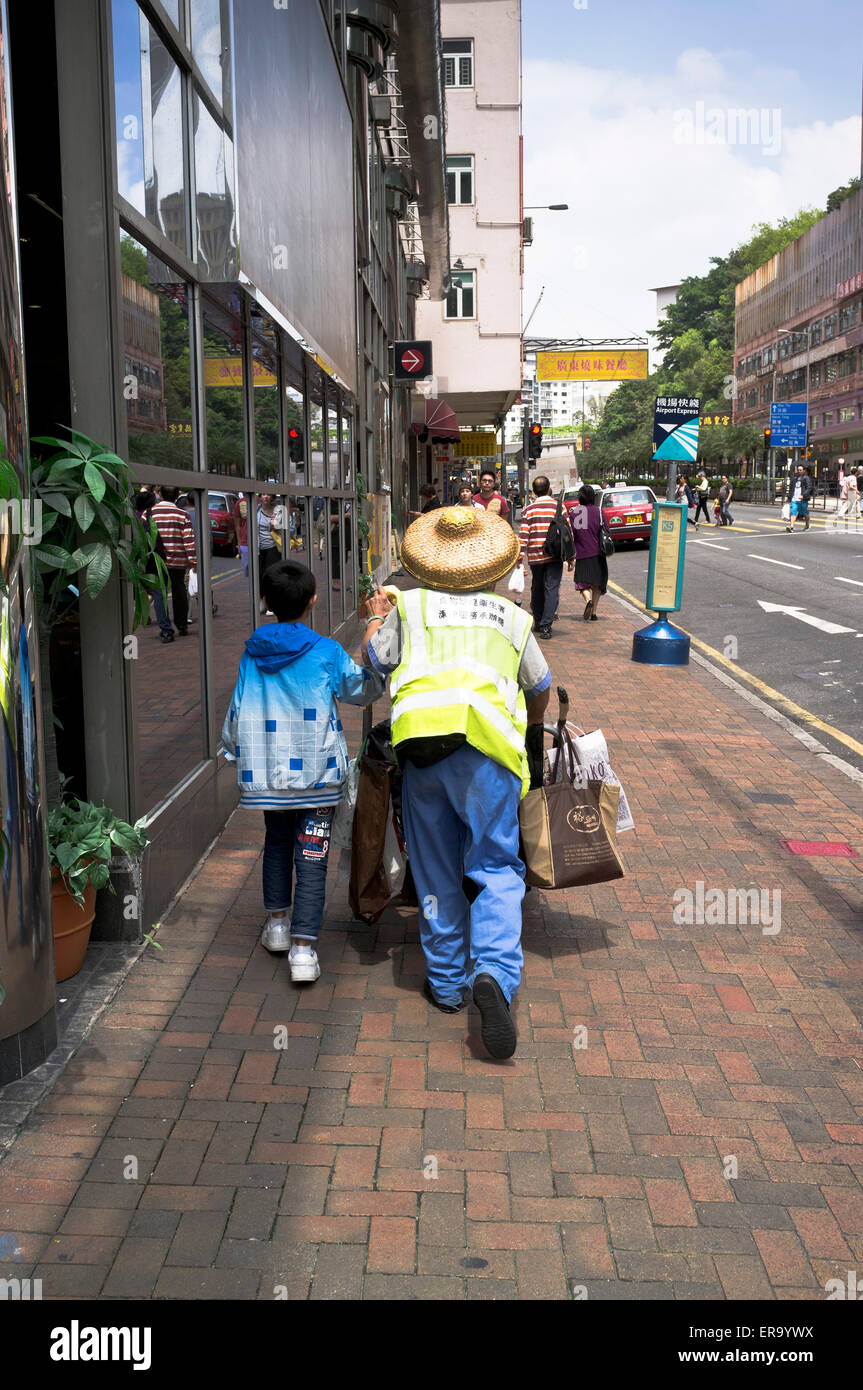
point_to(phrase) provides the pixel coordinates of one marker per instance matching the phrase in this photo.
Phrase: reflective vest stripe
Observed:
(508, 689)
(437, 699)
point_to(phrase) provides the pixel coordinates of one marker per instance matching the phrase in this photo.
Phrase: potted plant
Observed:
(81, 842)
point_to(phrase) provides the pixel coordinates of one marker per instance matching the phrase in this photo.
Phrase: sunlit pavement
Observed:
(683, 1117)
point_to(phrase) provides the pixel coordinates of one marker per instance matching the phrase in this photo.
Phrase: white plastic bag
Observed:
(193, 583)
(394, 858)
(516, 580)
(342, 829)
(786, 511)
(591, 750)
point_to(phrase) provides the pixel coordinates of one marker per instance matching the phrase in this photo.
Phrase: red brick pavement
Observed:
(706, 1143)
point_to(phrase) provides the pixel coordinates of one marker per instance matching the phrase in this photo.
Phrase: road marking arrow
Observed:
(794, 612)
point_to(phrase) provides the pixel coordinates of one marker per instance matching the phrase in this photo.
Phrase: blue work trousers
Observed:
(461, 820)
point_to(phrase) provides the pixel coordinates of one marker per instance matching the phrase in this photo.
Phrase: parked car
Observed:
(628, 512)
(221, 508)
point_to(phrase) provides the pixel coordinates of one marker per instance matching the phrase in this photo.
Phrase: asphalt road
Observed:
(732, 571)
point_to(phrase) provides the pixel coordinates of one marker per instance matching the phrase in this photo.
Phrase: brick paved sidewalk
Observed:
(382, 1155)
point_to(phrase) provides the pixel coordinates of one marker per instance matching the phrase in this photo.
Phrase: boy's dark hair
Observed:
(428, 490)
(288, 588)
(586, 496)
(488, 473)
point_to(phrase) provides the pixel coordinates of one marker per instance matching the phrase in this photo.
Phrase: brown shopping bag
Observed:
(378, 859)
(568, 830)
(369, 890)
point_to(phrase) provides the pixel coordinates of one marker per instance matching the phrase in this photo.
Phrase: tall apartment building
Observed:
(476, 327)
(798, 336)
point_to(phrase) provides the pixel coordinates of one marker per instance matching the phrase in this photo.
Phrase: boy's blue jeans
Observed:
(461, 819)
(298, 840)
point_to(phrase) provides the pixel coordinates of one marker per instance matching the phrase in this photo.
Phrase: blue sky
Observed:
(633, 115)
(809, 56)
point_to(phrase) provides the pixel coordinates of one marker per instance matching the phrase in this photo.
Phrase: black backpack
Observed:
(559, 542)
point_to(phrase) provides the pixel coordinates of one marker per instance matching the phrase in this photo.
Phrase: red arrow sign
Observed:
(412, 361)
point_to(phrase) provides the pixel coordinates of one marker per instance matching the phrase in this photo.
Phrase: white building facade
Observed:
(476, 329)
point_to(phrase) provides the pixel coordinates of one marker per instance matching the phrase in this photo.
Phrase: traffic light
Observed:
(295, 445)
(535, 441)
(766, 439)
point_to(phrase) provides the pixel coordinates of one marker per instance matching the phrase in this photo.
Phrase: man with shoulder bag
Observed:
(547, 542)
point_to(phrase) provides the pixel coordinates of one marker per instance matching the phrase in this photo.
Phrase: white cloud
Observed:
(644, 209)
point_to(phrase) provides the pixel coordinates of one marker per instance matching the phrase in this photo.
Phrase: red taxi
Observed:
(221, 507)
(628, 513)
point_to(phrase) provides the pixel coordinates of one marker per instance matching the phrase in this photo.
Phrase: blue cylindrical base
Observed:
(660, 644)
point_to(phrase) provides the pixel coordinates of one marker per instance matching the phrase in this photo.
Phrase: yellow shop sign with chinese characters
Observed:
(605, 364)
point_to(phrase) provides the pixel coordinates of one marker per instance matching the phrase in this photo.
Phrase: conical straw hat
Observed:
(456, 549)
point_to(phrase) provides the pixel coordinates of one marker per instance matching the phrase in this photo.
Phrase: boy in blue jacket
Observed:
(283, 730)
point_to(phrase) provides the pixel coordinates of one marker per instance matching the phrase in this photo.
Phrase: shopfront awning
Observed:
(437, 421)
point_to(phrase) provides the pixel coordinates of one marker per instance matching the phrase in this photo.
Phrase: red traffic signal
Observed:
(535, 441)
(295, 444)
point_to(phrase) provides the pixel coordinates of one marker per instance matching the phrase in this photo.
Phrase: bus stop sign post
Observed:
(661, 643)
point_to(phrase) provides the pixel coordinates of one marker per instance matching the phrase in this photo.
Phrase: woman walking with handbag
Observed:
(591, 566)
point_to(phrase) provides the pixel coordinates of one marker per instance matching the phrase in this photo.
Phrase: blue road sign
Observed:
(788, 425)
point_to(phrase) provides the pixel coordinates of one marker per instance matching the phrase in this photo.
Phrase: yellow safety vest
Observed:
(458, 674)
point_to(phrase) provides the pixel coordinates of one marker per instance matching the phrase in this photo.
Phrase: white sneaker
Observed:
(305, 965)
(276, 935)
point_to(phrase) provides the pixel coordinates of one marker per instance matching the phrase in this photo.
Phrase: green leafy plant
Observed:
(81, 842)
(88, 522)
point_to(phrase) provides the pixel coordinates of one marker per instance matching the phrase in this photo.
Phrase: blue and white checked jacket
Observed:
(283, 726)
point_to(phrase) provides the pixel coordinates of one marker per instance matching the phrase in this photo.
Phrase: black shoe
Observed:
(497, 1029)
(182, 632)
(594, 618)
(444, 1008)
(543, 632)
(166, 636)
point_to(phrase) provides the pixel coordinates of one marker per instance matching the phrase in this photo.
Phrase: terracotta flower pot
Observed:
(71, 926)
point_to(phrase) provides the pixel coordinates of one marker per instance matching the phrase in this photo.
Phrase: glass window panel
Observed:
(168, 708)
(317, 560)
(316, 426)
(265, 397)
(173, 9)
(210, 44)
(298, 528)
(223, 383)
(214, 197)
(333, 469)
(229, 513)
(157, 384)
(148, 102)
(128, 101)
(295, 429)
(269, 537)
(347, 451)
(335, 558)
(349, 575)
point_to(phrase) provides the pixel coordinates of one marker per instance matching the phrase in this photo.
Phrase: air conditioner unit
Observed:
(527, 231)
